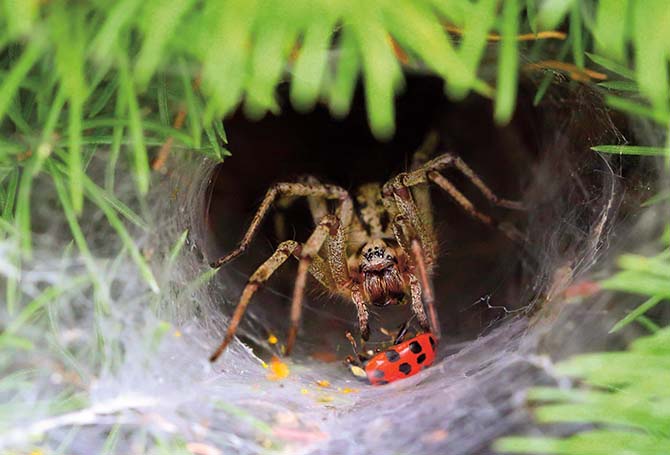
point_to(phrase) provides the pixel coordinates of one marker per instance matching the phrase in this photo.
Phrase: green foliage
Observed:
(76, 76)
(627, 400)
(116, 73)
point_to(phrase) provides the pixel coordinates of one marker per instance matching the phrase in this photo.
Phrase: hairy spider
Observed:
(381, 252)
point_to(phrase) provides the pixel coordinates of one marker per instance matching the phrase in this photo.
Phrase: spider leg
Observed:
(399, 185)
(327, 226)
(428, 295)
(278, 190)
(414, 249)
(362, 312)
(421, 193)
(281, 254)
(337, 245)
(317, 205)
(510, 231)
(396, 191)
(317, 267)
(446, 160)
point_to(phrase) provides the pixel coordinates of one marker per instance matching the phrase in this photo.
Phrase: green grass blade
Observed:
(576, 35)
(635, 314)
(79, 239)
(274, 41)
(140, 157)
(177, 247)
(650, 21)
(95, 192)
(348, 68)
(115, 145)
(68, 34)
(21, 15)
(380, 70)
(12, 81)
(117, 17)
(162, 100)
(633, 150)
(99, 102)
(508, 62)
(611, 65)
(621, 86)
(46, 297)
(552, 13)
(475, 34)
(310, 66)
(159, 23)
(225, 60)
(193, 113)
(8, 206)
(609, 32)
(636, 109)
(126, 238)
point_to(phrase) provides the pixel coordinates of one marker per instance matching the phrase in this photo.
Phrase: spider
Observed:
(381, 251)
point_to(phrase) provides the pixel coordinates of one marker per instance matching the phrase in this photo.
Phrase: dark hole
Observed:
(480, 276)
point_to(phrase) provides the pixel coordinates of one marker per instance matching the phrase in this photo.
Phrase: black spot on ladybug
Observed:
(405, 368)
(421, 358)
(382, 382)
(392, 356)
(415, 347)
(378, 374)
(432, 341)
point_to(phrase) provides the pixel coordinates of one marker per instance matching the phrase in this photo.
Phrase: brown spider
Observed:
(381, 254)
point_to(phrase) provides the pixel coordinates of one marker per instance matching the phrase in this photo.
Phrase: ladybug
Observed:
(400, 361)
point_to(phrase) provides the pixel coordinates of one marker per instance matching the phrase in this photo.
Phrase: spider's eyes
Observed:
(389, 257)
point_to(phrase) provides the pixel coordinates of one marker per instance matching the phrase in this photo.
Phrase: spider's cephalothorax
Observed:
(379, 250)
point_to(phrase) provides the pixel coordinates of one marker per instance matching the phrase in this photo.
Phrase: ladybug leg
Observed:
(401, 332)
(356, 363)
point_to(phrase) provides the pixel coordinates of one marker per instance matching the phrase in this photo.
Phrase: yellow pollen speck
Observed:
(177, 333)
(37, 452)
(348, 390)
(278, 370)
(323, 383)
(272, 339)
(264, 365)
(304, 391)
(325, 399)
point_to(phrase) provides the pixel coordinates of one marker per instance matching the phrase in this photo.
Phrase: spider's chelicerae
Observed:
(380, 251)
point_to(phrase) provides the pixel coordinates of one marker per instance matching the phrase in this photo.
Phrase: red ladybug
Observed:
(401, 360)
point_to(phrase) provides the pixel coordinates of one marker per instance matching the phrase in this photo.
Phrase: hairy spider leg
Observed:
(281, 254)
(309, 262)
(402, 233)
(429, 296)
(410, 221)
(275, 191)
(333, 274)
(446, 160)
(336, 246)
(421, 193)
(401, 230)
(327, 226)
(429, 173)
